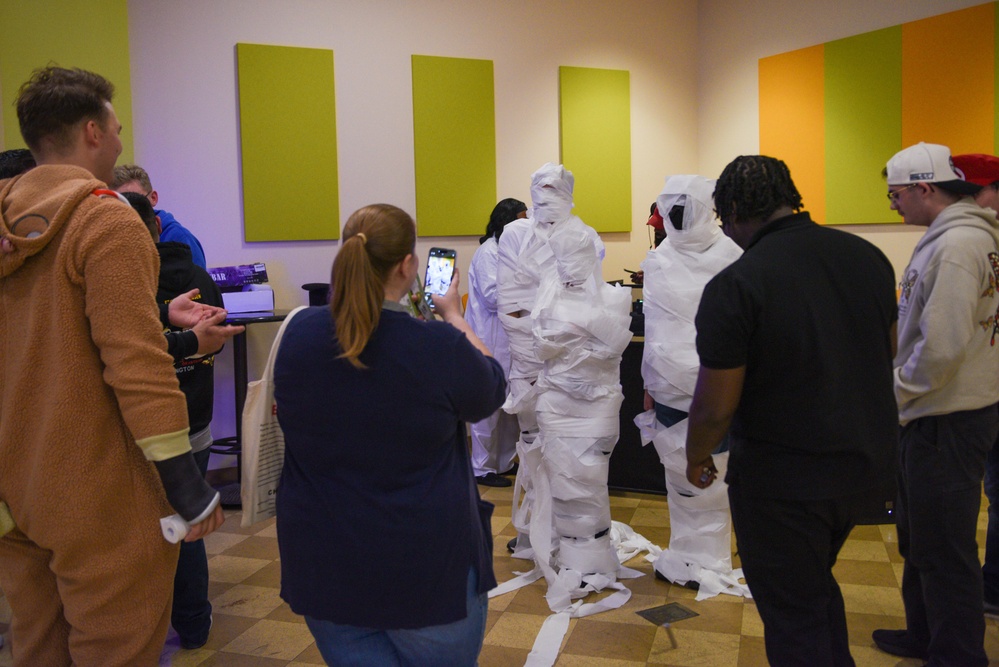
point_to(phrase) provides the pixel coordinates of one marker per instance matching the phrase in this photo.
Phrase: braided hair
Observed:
(752, 187)
(15, 161)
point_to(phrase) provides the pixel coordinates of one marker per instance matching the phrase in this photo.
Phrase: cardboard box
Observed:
(237, 276)
(247, 302)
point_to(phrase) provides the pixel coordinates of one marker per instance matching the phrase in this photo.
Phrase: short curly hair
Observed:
(752, 187)
(55, 99)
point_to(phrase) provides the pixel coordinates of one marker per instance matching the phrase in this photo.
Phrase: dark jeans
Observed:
(990, 570)
(941, 465)
(668, 416)
(788, 549)
(191, 616)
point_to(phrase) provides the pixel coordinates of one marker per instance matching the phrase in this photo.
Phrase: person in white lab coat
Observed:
(494, 440)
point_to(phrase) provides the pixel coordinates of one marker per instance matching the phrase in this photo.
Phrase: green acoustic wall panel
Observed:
(91, 35)
(454, 142)
(595, 136)
(287, 125)
(863, 118)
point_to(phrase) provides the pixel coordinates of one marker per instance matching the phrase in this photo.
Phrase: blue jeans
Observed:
(191, 616)
(668, 416)
(451, 645)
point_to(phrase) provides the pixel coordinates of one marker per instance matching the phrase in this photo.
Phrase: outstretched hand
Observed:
(185, 312)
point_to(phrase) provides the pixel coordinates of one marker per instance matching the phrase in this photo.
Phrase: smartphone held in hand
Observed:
(440, 271)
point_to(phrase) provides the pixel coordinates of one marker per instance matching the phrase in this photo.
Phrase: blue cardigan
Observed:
(378, 515)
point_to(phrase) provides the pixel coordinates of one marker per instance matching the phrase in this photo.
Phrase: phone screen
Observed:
(440, 271)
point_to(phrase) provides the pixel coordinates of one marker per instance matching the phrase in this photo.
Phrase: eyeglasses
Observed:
(893, 196)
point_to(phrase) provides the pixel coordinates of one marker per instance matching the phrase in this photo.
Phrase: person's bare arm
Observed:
(716, 398)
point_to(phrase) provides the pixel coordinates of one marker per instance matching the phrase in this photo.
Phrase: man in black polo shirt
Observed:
(796, 340)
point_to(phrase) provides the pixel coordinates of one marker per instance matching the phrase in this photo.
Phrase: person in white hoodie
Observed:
(946, 385)
(494, 439)
(676, 272)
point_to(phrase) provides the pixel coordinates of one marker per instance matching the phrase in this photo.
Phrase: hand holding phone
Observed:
(417, 302)
(440, 271)
(449, 305)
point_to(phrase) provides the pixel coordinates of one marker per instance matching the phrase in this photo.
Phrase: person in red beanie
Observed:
(983, 170)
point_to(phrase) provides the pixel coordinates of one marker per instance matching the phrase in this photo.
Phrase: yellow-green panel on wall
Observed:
(91, 35)
(595, 135)
(287, 125)
(863, 124)
(454, 143)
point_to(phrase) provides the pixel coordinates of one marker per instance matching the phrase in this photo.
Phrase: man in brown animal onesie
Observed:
(90, 409)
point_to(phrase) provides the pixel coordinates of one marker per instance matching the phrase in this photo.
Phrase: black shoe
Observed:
(692, 585)
(512, 471)
(492, 479)
(511, 546)
(190, 644)
(898, 642)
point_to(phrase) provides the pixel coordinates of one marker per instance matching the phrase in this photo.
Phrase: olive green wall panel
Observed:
(595, 136)
(454, 144)
(287, 125)
(91, 35)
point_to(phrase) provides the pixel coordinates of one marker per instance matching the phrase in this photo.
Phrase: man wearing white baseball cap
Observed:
(946, 386)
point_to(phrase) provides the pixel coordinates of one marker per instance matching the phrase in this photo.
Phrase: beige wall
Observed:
(734, 34)
(693, 94)
(185, 102)
(185, 109)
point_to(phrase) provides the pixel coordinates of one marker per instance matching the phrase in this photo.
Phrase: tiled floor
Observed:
(254, 628)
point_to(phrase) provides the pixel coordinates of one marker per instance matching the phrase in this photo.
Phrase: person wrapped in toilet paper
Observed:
(523, 258)
(581, 328)
(695, 249)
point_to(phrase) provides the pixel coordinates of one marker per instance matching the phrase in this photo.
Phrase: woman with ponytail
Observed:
(385, 545)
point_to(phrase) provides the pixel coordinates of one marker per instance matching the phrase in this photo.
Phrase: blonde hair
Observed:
(375, 239)
(126, 173)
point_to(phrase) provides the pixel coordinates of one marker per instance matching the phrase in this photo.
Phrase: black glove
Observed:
(186, 489)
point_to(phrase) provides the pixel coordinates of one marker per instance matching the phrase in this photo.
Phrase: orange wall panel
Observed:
(792, 120)
(948, 97)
